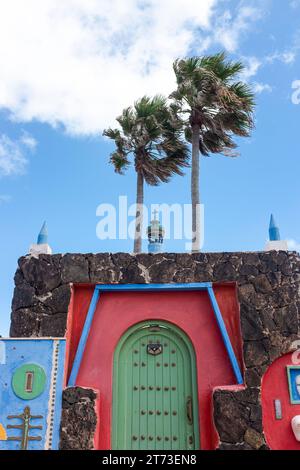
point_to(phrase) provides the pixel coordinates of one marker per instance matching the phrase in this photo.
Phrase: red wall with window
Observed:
(278, 433)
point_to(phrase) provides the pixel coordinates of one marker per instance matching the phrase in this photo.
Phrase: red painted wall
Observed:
(191, 311)
(226, 295)
(78, 308)
(278, 433)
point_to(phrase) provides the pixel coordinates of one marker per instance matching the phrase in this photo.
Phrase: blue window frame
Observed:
(293, 375)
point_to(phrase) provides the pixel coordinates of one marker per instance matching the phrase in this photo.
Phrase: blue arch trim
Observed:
(207, 286)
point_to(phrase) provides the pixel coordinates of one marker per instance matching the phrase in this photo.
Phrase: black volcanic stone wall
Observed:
(268, 290)
(78, 419)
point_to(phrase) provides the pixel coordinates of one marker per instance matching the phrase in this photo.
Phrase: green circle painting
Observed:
(29, 381)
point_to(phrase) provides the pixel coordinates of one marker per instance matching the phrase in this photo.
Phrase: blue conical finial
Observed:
(274, 233)
(43, 235)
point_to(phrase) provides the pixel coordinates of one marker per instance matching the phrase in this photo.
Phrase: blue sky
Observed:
(68, 70)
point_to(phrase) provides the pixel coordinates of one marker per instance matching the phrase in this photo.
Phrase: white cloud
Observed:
(230, 28)
(261, 87)
(296, 93)
(293, 245)
(287, 57)
(252, 65)
(80, 62)
(13, 154)
(28, 141)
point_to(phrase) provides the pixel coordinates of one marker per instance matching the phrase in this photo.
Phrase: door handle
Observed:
(189, 410)
(190, 442)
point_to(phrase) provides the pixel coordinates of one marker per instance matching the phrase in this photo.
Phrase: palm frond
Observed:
(210, 92)
(119, 161)
(151, 132)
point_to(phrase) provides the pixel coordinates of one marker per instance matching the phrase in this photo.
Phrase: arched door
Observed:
(155, 389)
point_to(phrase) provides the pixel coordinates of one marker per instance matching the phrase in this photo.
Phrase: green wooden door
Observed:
(155, 390)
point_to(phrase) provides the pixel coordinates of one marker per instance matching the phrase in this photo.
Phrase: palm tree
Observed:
(151, 133)
(219, 106)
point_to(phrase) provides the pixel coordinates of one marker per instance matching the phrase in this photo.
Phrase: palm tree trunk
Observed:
(195, 194)
(139, 213)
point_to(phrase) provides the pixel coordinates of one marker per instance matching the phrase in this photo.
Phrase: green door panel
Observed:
(155, 390)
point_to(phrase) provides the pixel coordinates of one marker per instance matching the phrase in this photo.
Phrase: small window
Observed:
(29, 381)
(293, 373)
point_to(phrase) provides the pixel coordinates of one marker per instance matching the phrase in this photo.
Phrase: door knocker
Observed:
(154, 349)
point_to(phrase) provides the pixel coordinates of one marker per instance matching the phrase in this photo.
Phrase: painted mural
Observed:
(31, 383)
